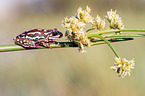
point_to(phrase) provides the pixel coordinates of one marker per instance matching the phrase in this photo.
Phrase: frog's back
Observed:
(35, 34)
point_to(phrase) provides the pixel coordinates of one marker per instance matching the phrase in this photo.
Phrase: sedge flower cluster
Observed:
(75, 33)
(84, 15)
(75, 27)
(115, 20)
(98, 23)
(123, 67)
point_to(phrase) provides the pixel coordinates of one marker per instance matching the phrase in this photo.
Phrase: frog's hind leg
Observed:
(26, 43)
(45, 43)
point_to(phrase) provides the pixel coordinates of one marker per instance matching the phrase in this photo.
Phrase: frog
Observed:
(36, 38)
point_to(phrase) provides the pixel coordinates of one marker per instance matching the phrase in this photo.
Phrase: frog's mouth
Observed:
(55, 37)
(59, 35)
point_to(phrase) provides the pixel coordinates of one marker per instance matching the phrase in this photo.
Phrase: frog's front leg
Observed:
(45, 43)
(26, 43)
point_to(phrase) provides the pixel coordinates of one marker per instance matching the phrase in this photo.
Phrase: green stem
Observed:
(90, 29)
(8, 48)
(116, 30)
(134, 30)
(107, 28)
(111, 41)
(103, 32)
(108, 43)
(124, 35)
(118, 35)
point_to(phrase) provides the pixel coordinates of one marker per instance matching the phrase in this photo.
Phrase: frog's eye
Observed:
(54, 33)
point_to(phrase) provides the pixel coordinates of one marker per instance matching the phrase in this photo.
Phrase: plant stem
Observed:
(117, 35)
(124, 35)
(103, 32)
(115, 30)
(90, 29)
(111, 41)
(8, 48)
(134, 30)
(108, 43)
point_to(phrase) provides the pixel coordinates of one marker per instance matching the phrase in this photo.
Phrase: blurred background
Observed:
(66, 72)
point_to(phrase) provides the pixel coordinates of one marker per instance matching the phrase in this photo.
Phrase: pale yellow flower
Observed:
(123, 67)
(115, 20)
(75, 31)
(111, 14)
(73, 24)
(81, 48)
(84, 15)
(88, 9)
(99, 23)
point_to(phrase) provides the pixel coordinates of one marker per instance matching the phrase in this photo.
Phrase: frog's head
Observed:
(55, 34)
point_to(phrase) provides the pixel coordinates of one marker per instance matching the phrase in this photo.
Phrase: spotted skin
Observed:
(35, 38)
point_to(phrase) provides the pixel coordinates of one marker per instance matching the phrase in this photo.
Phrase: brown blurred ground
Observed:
(66, 72)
